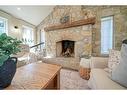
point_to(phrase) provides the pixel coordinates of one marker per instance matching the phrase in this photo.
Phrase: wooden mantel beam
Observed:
(72, 24)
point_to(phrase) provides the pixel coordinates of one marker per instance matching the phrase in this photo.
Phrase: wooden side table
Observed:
(84, 69)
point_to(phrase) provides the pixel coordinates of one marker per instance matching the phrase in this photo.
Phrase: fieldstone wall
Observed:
(84, 34)
(120, 25)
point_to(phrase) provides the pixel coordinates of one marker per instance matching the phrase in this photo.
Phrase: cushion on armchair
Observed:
(99, 62)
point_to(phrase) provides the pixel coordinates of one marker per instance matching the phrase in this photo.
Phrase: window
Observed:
(3, 25)
(28, 37)
(106, 34)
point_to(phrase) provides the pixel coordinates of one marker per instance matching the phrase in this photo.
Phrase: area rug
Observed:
(70, 80)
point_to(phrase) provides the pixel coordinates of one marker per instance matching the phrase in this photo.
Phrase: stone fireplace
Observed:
(65, 48)
(70, 42)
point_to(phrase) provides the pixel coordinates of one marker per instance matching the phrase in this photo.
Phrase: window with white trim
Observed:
(28, 35)
(106, 34)
(3, 25)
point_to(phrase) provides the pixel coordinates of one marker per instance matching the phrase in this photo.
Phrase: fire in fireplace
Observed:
(67, 48)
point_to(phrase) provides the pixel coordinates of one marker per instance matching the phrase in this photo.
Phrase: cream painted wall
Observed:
(12, 21)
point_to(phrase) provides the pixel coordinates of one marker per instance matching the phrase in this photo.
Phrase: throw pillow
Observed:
(119, 74)
(114, 59)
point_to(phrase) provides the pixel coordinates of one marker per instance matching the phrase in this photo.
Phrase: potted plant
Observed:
(8, 47)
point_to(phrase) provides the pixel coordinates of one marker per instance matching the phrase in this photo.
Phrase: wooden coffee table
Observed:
(36, 76)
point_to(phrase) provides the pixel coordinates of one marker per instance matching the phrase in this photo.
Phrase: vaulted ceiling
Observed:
(31, 14)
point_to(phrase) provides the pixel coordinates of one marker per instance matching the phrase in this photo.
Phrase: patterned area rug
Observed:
(71, 80)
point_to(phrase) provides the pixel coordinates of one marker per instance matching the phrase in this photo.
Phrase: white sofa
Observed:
(99, 78)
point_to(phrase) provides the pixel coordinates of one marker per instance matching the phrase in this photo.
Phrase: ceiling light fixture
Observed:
(18, 8)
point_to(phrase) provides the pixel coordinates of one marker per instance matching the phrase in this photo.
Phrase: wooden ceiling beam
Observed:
(72, 24)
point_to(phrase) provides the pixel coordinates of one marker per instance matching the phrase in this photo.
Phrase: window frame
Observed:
(27, 27)
(111, 16)
(6, 24)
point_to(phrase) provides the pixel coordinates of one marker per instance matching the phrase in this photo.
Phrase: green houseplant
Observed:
(8, 47)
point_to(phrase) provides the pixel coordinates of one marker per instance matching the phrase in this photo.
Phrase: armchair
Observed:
(25, 56)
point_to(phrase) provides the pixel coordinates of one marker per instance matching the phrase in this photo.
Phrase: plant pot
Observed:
(7, 72)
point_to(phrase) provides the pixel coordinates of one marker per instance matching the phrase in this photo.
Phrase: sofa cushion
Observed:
(114, 59)
(99, 80)
(99, 62)
(119, 74)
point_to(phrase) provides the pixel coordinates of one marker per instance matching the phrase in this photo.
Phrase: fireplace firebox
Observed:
(65, 48)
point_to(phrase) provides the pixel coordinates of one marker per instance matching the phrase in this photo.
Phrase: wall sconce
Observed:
(16, 27)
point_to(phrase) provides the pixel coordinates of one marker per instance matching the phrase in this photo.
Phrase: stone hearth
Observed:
(69, 62)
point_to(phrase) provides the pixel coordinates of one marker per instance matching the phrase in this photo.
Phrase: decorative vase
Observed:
(7, 72)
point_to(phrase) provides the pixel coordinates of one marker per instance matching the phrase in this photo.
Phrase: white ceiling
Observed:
(31, 14)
